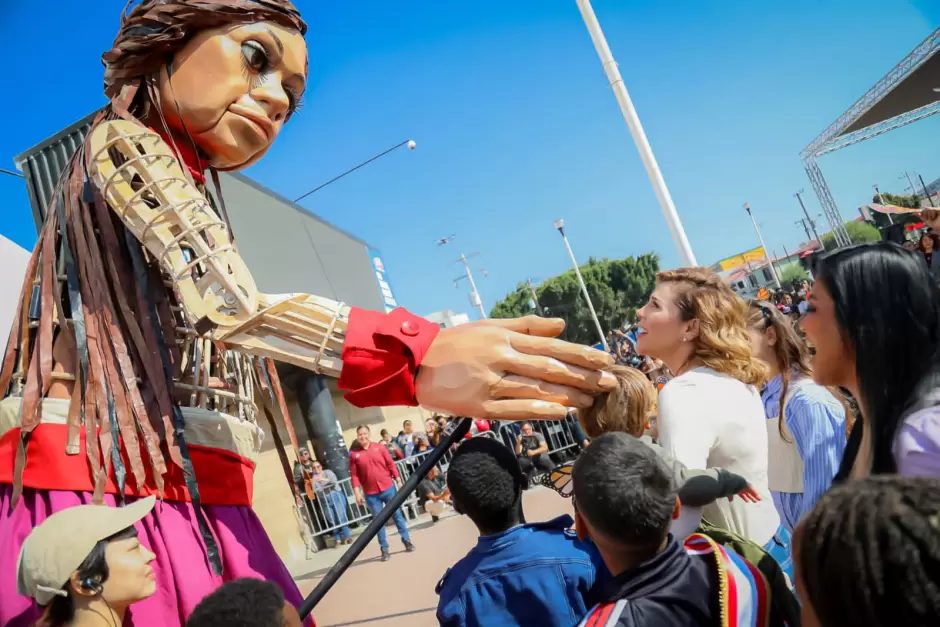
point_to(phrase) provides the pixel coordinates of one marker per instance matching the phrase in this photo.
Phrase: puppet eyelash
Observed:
(257, 76)
(297, 103)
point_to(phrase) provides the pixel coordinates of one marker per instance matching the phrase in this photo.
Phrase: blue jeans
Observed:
(779, 548)
(334, 510)
(378, 501)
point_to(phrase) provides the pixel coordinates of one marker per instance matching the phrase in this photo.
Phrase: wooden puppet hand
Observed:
(510, 370)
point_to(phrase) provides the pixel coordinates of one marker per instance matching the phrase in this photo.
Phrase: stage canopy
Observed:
(904, 95)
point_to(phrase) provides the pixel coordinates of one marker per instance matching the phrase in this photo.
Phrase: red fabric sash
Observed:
(224, 478)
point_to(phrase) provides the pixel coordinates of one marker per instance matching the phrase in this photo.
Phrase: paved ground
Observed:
(401, 591)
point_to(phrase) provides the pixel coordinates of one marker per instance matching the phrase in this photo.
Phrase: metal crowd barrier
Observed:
(563, 444)
(321, 524)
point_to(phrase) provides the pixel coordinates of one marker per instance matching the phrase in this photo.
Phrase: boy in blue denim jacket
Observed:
(517, 574)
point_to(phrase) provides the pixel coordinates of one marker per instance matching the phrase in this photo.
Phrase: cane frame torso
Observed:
(139, 217)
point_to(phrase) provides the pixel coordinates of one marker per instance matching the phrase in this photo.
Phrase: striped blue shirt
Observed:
(817, 421)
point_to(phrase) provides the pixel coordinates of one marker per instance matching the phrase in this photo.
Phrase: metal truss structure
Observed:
(836, 137)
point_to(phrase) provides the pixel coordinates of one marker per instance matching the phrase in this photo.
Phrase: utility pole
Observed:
(560, 225)
(910, 181)
(636, 130)
(809, 236)
(535, 296)
(475, 299)
(760, 238)
(812, 224)
(926, 193)
(786, 253)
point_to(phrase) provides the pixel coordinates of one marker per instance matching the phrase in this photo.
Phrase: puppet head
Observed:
(218, 76)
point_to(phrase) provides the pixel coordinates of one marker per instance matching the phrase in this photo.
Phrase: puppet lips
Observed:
(259, 123)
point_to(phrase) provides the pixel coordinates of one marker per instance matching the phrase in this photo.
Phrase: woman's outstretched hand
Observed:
(748, 495)
(510, 370)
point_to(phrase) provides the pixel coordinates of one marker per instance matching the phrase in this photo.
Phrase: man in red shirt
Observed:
(374, 473)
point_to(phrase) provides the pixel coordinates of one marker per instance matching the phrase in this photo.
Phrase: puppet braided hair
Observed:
(154, 30)
(869, 553)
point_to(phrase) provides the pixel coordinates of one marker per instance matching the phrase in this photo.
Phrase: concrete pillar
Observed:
(319, 414)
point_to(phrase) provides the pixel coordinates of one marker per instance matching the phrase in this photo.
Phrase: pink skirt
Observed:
(183, 573)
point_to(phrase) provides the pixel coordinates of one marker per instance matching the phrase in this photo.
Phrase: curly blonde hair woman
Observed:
(710, 413)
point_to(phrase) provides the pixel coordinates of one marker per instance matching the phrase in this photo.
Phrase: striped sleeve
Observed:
(818, 427)
(605, 615)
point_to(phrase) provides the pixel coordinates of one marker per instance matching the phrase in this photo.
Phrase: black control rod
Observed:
(454, 432)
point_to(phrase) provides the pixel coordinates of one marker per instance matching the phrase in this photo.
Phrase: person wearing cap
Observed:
(85, 565)
(303, 473)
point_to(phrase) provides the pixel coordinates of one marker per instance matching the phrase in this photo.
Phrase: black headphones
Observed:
(92, 584)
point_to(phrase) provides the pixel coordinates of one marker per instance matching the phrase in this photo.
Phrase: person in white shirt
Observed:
(710, 413)
(406, 438)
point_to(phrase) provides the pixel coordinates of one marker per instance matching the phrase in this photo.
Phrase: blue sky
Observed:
(516, 126)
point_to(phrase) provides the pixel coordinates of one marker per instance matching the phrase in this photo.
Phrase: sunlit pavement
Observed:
(401, 591)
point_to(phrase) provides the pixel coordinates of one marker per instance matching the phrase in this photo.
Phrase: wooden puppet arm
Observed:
(303, 330)
(140, 178)
(142, 181)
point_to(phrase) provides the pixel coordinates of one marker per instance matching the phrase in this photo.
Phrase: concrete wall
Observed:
(289, 250)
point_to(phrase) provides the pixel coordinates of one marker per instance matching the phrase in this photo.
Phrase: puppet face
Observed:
(232, 89)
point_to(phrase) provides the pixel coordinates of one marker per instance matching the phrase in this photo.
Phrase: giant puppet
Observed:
(141, 338)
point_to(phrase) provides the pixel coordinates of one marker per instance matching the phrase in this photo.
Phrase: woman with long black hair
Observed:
(928, 248)
(874, 320)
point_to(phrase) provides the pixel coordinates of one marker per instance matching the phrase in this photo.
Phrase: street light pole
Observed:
(475, 299)
(535, 297)
(408, 142)
(639, 135)
(883, 204)
(812, 224)
(760, 238)
(560, 225)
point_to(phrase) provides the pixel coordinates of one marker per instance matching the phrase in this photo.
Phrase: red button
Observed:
(409, 328)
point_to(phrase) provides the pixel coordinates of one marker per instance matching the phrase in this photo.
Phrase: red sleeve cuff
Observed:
(381, 354)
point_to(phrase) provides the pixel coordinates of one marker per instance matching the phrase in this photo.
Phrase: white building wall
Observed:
(13, 261)
(448, 318)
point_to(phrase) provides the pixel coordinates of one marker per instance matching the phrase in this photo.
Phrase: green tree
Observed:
(792, 274)
(617, 288)
(911, 201)
(858, 232)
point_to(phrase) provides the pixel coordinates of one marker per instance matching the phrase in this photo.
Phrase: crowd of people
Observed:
(747, 451)
(785, 459)
(792, 431)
